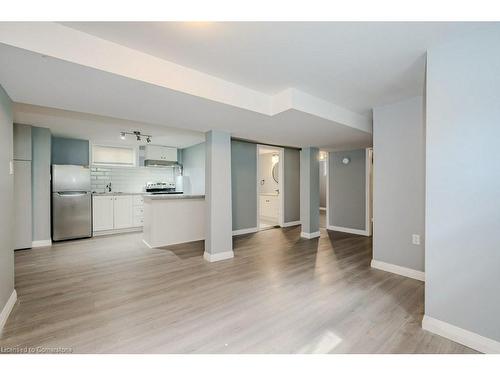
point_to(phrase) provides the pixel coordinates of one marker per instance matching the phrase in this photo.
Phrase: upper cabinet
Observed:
(160, 153)
(22, 142)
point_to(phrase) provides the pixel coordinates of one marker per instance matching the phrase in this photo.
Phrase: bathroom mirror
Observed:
(275, 172)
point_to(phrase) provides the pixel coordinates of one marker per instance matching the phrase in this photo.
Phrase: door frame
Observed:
(281, 183)
(327, 166)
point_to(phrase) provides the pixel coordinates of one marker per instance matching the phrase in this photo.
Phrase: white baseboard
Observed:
(218, 256)
(310, 235)
(360, 232)
(245, 231)
(322, 208)
(291, 224)
(41, 243)
(7, 308)
(148, 245)
(116, 231)
(403, 271)
(460, 335)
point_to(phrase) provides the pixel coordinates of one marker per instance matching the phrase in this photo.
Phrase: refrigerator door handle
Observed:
(73, 193)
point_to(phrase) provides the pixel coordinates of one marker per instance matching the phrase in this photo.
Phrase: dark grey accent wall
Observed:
(70, 151)
(193, 163)
(462, 215)
(291, 170)
(399, 183)
(244, 184)
(6, 199)
(348, 189)
(40, 175)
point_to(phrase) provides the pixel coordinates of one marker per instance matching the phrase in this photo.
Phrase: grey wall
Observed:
(309, 190)
(291, 170)
(244, 184)
(266, 174)
(40, 176)
(244, 188)
(6, 199)
(322, 183)
(399, 183)
(219, 237)
(70, 151)
(193, 162)
(348, 189)
(462, 258)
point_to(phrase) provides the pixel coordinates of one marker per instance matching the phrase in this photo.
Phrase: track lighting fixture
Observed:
(137, 134)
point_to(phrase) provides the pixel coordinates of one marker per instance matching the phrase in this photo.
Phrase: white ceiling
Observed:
(45, 81)
(101, 129)
(295, 84)
(356, 65)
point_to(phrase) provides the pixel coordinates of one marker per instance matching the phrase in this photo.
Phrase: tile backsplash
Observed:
(129, 179)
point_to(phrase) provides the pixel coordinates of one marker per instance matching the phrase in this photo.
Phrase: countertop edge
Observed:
(157, 197)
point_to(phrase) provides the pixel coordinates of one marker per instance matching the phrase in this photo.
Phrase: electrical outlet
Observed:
(415, 239)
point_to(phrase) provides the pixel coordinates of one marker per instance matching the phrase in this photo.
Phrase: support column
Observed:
(309, 192)
(219, 225)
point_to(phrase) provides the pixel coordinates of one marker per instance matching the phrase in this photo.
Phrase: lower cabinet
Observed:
(269, 206)
(102, 213)
(116, 212)
(123, 212)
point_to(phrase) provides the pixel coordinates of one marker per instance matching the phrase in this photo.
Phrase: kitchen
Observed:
(81, 188)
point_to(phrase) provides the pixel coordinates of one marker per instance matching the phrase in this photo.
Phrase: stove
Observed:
(161, 188)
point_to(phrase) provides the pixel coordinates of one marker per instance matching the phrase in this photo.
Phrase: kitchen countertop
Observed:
(118, 193)
(173, 196)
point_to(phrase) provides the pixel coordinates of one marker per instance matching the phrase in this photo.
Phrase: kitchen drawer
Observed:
(138, 210)
(138, 200)
(138, 221)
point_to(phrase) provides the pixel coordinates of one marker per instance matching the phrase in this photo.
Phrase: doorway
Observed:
(270, 197)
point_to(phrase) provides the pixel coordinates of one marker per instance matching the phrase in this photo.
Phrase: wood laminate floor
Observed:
(280, 294)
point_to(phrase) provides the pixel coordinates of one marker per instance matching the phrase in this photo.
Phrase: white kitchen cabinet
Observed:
(22, 205)
(160, 153)
(269, 206)
(22, 142)
(123, 211)
(103, 213)
(117, 213)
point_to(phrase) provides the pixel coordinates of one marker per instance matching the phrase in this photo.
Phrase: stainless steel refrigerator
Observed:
(71, 202)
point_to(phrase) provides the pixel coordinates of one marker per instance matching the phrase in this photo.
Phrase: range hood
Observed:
(160, 156)
(159, 163)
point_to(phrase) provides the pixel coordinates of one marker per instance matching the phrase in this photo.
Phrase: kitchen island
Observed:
(173, 218)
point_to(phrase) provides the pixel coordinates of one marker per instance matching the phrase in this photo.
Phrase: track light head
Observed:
(137, 134)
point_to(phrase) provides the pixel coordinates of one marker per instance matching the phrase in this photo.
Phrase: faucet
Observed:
(108, 187)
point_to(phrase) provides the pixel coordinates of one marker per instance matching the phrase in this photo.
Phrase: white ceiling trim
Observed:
(84, 49)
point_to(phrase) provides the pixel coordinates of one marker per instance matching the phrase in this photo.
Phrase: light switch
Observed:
(415, 238)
